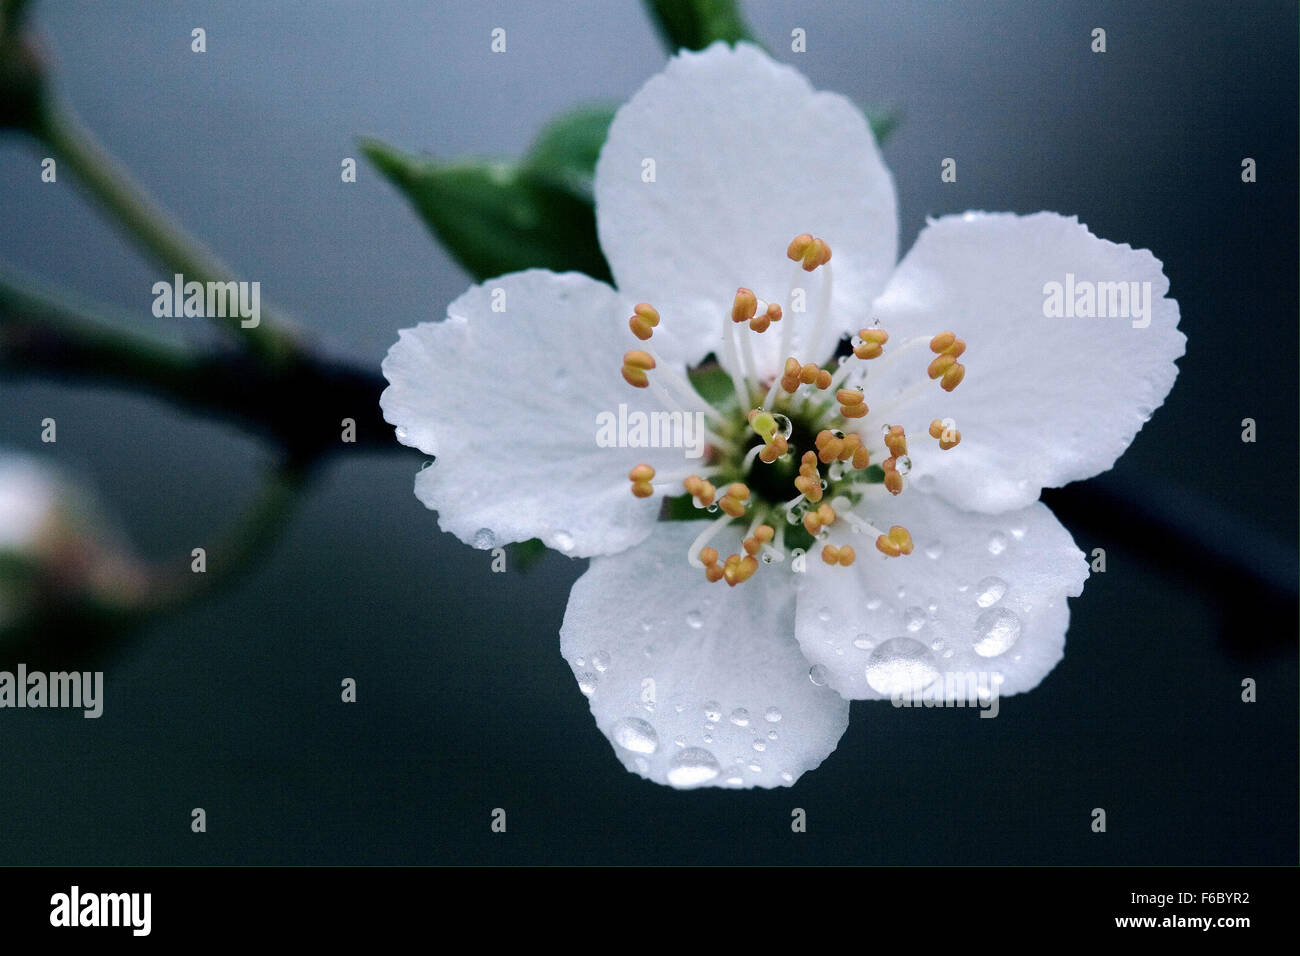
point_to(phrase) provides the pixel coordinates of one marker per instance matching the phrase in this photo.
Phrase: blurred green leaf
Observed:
(883, 122)
(497, 217)
(712, 382)
(566, 150)
(694, 24)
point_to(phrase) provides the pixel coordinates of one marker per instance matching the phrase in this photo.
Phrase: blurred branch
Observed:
(132, 209)
(298, 402)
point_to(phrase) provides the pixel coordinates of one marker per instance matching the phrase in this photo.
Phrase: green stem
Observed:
(76, 147)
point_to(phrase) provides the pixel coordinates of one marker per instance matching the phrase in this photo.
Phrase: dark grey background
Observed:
(465, 704)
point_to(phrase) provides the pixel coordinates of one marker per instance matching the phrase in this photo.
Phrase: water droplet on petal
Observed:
(772, 715)
(713, 712)
(824, 615)
(901, 666)
(996, 630)
(997, 542)
(484, 539)
(600, 661)
(934, 550)
(787, 776)
(740, 717)
(817, 674)
(914, 619)
(1018, 533)
(863, 642)
(874, 601)
(636, 735)
(587, 684)
(694, 619)
(564, 541)
(903, 464)
(989, 591)
(693, 766)
(784, 427)
(760, 746)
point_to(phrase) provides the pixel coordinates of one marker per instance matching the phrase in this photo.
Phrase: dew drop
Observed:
(901, 666)
(740, 717)
(934, 550)
(817, 674)
(996, 630)
(997, 542)
(636, 735)
(863, 642)
(787, 776)
(784, 427)
(693, 766)
(824, 615)
(772, 715)
(760, 746)
(767, 557)
(484, 539)
(712, 509)
(914, 619)
(904, 465)
(587, 683)
(1018, 533)
(579, 662)
(600, 661)
(564, 541)
(989, 591)
(694, 619)
(679, 741)
(400, 433)
(874, 601)
(713, 712)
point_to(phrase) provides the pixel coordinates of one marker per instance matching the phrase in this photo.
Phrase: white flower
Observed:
(699, 683)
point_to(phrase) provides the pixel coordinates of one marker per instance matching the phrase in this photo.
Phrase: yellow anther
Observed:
(759, 323)
(896, 441)
(849, 396)
(844, 556)
(700, 490)
(737, 570)
(713, 572)
(641, 476)
(738, 490)
(815, 521)
(941, 365)
(644, 318)
(752, 545)
(893, 480)
(949, 436)
(744, 306)
(897, 542)
(808, 251)
(872, 344)
(733, 501)
(852, 442)
(942, 341)
(774, 312)
(808, 373)
(809, 482)
(952, 378)
(829, 446)
(861, 457)
(824, 379)
(775, 450)
(765, 533)
(709, 556)
(635, 365)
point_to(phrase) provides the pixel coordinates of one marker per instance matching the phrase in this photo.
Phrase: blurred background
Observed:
(464, 703)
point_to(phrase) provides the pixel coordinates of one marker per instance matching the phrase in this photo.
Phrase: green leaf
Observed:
(694, 24)
(712, 382)
(497, 217)
(566, 150)
(883, 122)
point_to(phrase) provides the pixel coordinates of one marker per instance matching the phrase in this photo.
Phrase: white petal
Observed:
(509, 400)
(747, 156)
(695, 683)
(980, 594)
(1045, 401)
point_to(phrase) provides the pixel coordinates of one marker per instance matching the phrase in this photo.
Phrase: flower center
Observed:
(791, 454)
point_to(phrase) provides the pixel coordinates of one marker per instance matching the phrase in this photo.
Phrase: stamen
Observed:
(815, 521)
(843, 556)
(897, 542)
(872, 344)
(700, 490)
(853, 402)
(641, 476)
(946, 431)
(744, 306)
(809, 251)
(733, 502)
(643, 321)
(699, 547)
(635, 365)
(945, 366)
(809, 482)
(737, 570)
